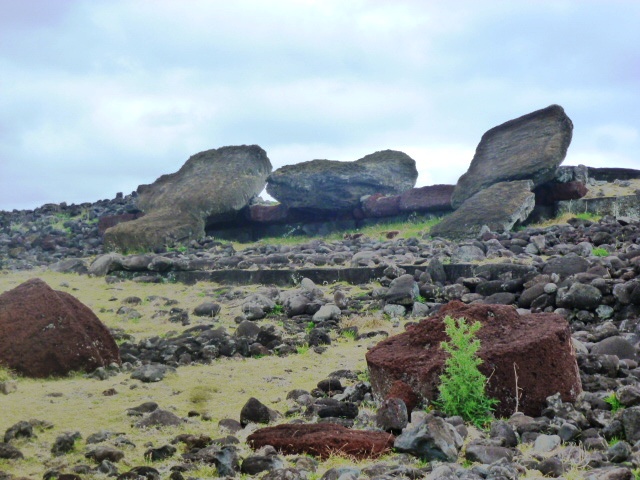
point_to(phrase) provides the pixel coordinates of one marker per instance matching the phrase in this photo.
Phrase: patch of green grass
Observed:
(201, 394)
(600, 252)
(6, 374)
(302, 349)
(349, 334)
(592, 217)
(613, 440)
(276, 311)
(178, 248)
(364, 375)
(412, 227)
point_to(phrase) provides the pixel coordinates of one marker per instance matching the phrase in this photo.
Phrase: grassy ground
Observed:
(220, 390)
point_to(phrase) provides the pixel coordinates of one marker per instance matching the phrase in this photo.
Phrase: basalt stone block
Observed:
(45, 332)
(532, 350)
(212, 186)
(322, 440)
(329, 185)
(499, 207)
(530, 147)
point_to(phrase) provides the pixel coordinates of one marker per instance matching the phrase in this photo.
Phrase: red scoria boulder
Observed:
(549, 193)
(268, 213)
(322, 440)
(427, 199)
(45, 332)
(378, 205)
(533, 350)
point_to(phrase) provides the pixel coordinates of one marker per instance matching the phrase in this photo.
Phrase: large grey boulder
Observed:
(331, 185)
(212, 186)
(431, 439)
(529, 147)
(498, 207)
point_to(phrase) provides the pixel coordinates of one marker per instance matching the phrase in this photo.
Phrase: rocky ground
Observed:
(206, 364)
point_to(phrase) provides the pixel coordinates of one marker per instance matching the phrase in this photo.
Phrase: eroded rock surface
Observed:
(534, 347)
(499, 207)
(211, 186)
(333, 185)
(322, 440)
(530, 147)
(45, 332)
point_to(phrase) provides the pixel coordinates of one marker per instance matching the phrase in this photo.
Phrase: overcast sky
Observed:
(99, 96)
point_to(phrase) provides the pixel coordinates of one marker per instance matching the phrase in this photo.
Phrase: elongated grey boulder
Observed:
(212, 186)
(498, 207)
(530, 147)
(331, 185)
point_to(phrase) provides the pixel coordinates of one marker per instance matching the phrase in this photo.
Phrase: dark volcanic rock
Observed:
(333, 185)
(322, 440)
(530, 147)
(254, 411)
(499, 207)
(178, 206)
(538, 344)
(45, 332)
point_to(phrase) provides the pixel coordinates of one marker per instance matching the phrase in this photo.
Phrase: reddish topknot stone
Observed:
(549, 193)
(427, 199)
(533, 350)
(322, 440)
(45, 332)
(379, 205)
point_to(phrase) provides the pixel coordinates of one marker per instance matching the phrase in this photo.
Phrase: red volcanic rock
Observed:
(537, 346)
(404, 392)
(552, 192)
(268, 213)
(426, 199)
(322, 440)
(44, 332)
(379, 205)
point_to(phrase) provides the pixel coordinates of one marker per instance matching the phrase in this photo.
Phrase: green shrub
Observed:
(462, 385)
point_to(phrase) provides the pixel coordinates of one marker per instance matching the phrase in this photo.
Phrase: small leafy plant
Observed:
(462, 385)
(612, 399)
